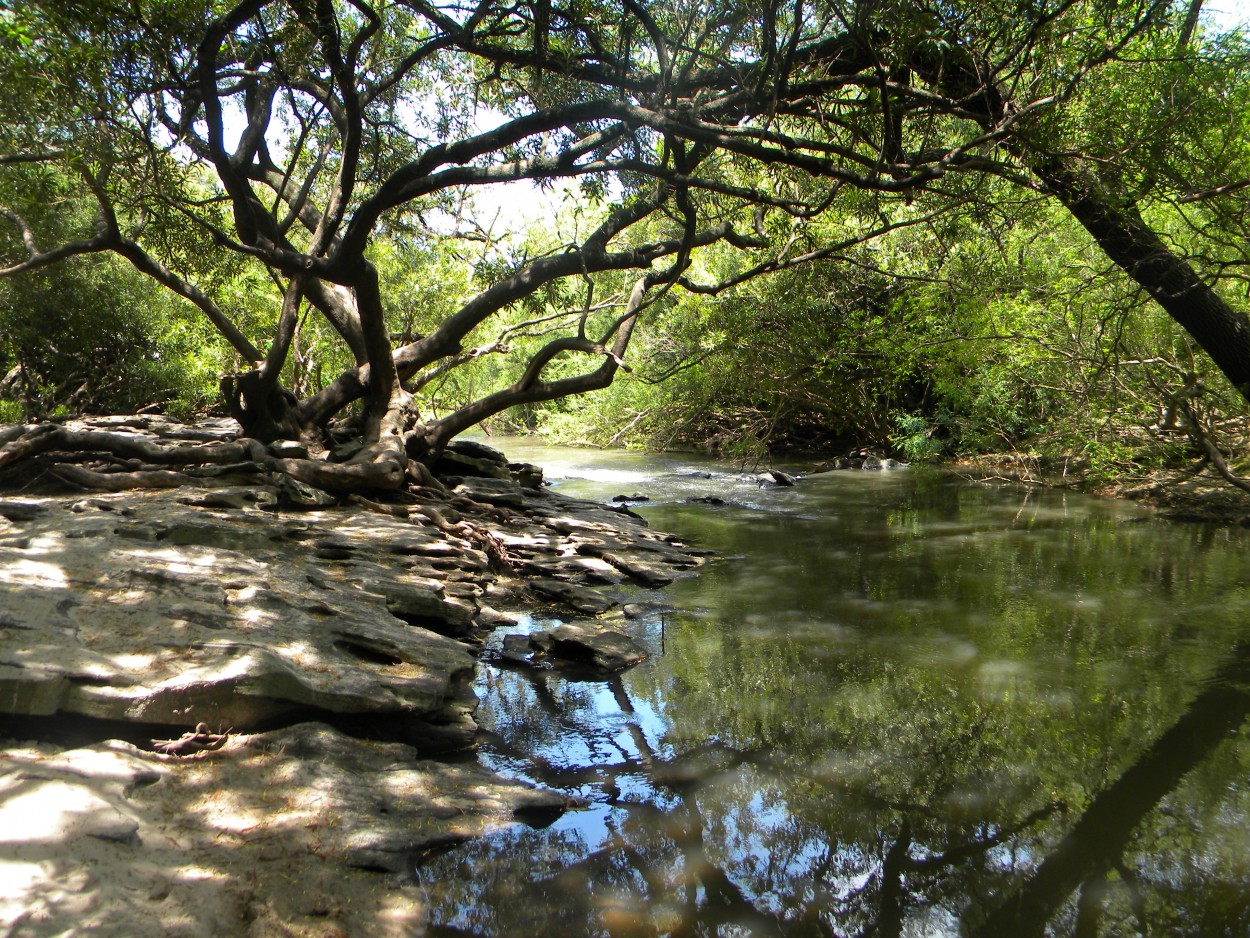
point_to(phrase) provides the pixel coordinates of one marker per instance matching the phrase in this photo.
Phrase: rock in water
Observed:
(604, 650)
(776, 477)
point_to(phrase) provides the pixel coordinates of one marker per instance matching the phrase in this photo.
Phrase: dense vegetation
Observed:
(932, 228)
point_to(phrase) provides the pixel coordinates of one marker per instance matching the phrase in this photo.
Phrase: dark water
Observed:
(897, 704)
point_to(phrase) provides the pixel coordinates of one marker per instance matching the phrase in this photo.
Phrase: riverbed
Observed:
(895, 703)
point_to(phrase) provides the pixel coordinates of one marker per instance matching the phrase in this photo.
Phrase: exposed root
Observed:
(119, 481)
(142, 461)
(496, 553)
(193, 743)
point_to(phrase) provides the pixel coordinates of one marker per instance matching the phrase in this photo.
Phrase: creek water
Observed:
(895, 703)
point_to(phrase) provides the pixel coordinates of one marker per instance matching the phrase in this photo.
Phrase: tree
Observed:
(291, 136)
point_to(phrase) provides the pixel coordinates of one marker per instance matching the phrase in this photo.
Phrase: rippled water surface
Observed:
(895, 704)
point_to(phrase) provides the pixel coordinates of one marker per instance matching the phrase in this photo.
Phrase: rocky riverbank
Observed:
(1195, 493)
(307, 656)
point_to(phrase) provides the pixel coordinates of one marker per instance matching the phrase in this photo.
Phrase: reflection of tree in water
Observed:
(786, 852)
(1096, 844)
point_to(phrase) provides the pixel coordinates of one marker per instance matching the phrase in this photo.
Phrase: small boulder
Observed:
(288, 449)
(18, 511)
(776, 477)
(293, 492)
(469, 458)
(517, 649)
(476, 450)
(527, 475)
(607, 651)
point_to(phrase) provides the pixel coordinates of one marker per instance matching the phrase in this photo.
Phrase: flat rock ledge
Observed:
(298, 831)
(293, 625)
(175, 607)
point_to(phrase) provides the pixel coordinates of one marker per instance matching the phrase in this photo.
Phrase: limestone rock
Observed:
(640, 569)
(502, 491)
(158, 620)
(527, 475)
(475, 450)
(15, 510)
(297, 831)
(776, 477)
(469, 458)
(604, 650)
(517, 649)
(578, 598)
(218, 603)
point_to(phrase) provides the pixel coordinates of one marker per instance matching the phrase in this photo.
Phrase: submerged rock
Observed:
(644, 610)
(878, 463)
(708, 500)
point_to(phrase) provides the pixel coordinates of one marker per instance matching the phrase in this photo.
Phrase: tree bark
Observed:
(1116, 225)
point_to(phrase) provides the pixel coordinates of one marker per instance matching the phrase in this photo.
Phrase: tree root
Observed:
(376, 468)
(119, 481)
(193, 743)
(44, 438)
(496, 553)
(127, 461)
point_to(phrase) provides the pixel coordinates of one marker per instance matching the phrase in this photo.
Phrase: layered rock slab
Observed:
(299, 831)
(140, 607)
(218, 605)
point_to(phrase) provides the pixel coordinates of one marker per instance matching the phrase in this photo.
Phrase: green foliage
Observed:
(999, 329)
(95, 337)
(915, 438)
(927, 291)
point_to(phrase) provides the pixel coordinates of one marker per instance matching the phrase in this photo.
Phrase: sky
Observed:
(1226, 14)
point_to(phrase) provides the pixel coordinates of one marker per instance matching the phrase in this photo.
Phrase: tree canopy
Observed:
(285, 166)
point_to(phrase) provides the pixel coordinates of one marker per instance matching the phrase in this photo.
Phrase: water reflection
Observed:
(896, 705)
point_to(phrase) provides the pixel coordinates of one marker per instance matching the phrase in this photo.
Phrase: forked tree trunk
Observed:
(265, 410)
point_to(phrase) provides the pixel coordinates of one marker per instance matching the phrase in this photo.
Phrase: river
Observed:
(896, 703)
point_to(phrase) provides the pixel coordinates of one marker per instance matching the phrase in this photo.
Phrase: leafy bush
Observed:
(94, 337)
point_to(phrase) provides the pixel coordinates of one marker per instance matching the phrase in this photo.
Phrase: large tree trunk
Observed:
(266, 410)
(1117, 226)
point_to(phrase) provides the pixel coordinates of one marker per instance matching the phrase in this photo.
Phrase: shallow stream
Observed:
(896, 703)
